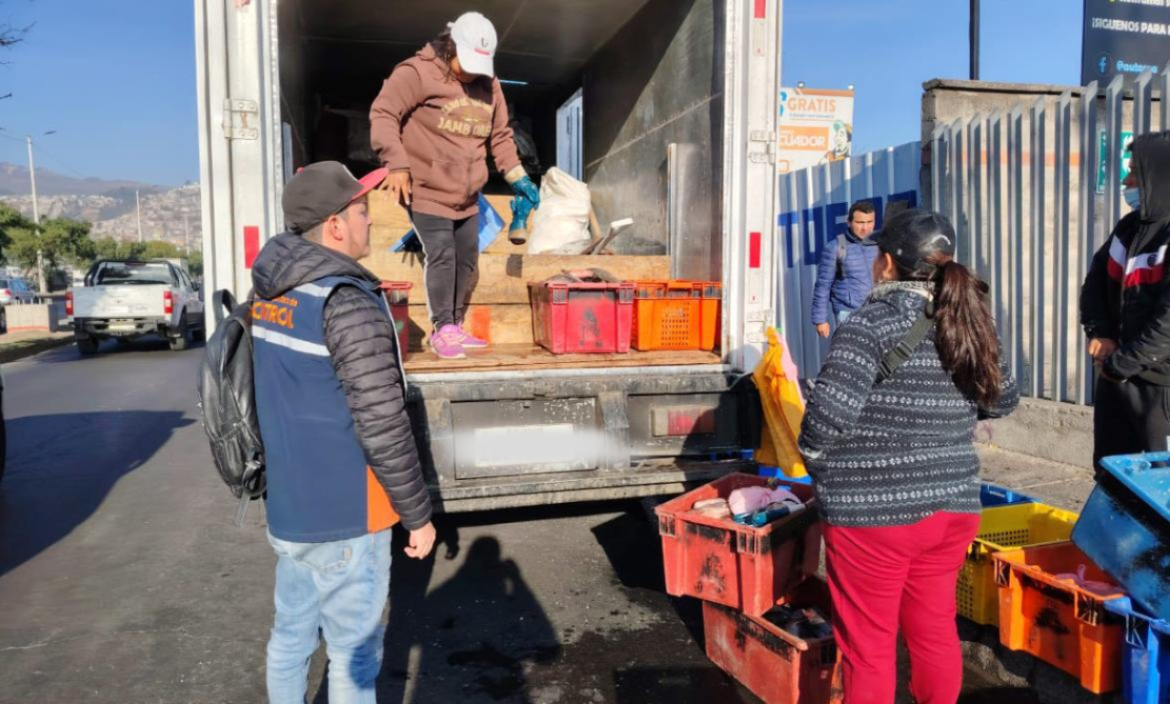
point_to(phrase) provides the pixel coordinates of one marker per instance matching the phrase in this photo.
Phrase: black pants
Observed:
(451, 249)
(1129, 418)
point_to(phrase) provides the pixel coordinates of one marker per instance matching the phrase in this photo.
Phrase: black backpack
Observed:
(227, 397)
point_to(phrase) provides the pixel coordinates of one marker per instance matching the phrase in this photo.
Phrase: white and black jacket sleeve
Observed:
(360, 339)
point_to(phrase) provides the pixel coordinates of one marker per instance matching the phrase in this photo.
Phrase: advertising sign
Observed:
(816, 127)
(1124, 37)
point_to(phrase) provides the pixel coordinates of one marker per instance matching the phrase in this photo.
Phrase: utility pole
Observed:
(974, 39)
(32, 175)
(138, 209)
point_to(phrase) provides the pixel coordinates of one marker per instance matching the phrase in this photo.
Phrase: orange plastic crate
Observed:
(1056, 620)
(676, 315)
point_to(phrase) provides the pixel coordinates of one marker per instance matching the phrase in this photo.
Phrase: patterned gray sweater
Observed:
(893, 453)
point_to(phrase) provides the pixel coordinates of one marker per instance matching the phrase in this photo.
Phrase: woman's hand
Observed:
(398, 185)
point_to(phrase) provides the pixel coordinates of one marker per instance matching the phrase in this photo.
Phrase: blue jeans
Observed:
(340, 587)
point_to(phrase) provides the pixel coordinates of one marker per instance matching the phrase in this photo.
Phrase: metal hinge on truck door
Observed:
(240, 118)
(768, 155)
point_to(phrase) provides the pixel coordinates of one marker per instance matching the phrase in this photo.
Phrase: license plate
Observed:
(123, 327)
(526, 445)
(118, 310)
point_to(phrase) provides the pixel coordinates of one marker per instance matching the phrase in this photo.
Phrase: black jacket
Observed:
(1126, 295)
(364, 350)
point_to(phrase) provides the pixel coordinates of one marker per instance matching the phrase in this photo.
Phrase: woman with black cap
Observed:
(887, 437)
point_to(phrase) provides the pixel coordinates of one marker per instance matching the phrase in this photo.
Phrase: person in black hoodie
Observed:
(1125, 312)
(341, 461)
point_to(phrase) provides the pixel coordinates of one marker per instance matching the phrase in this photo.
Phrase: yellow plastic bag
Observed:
(783, 404)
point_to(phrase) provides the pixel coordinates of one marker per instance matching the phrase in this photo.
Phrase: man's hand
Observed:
(421, 542)
(823, 329)
(397, 184)
(1101, 348)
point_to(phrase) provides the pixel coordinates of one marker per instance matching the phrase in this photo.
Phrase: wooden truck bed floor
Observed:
(518, 357)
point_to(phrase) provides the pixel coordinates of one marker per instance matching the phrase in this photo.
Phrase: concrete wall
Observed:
(660, 81)
(1057, 432)
(49, 317)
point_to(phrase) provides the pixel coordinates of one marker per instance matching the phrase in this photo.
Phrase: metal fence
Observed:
(1033, 192)
(814, 204)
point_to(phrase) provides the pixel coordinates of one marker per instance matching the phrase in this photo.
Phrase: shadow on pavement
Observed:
(151, 344)
(61, 467)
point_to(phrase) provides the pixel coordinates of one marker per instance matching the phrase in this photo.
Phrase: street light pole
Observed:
(974, 40)
(32, 175)
(138, 209)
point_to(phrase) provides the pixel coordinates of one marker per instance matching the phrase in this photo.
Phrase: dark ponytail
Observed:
(967, 339)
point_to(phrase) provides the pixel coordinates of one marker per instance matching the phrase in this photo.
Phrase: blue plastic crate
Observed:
(995, 495)
(1145, 661)
(1125, 527)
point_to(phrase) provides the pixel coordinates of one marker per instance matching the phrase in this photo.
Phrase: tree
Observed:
(10, 219)
(66, 241)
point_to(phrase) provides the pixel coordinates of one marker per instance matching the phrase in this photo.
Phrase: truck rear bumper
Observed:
(549, 438)
(652, 480)
(128, 327)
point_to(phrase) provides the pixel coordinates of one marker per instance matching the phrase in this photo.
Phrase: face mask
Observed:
(1133, 198)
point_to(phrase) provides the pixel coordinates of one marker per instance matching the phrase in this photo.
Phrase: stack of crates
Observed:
(741, 573)
(676, 315)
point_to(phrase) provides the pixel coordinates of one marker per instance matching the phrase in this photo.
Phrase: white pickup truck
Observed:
(126, 299)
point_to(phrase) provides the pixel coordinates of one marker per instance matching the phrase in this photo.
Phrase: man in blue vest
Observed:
(845, 270)
(340, 456)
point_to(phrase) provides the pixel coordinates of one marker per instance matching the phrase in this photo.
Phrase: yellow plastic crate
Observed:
(1003, 528)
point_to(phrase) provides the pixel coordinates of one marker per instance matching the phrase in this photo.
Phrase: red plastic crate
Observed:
(776, 666)
(582, 318)
(397, 294)
(739, 566)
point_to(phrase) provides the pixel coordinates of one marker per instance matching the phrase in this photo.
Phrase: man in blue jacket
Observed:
(340, 455)
(845, 271)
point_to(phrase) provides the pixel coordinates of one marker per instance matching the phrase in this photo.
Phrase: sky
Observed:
(887, 49)
(116, 78)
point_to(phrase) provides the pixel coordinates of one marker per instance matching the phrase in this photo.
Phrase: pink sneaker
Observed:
(446, 342)
(470, 341)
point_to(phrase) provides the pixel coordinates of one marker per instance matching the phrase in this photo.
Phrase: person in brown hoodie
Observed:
(432, 124)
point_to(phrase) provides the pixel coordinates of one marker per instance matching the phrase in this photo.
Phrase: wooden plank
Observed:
(385, 212)
(504, 278)
(530, 357)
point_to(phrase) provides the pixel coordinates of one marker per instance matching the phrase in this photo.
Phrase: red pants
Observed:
(883, 578)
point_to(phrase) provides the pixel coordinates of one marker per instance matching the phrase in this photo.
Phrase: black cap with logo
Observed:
(323, 189)
(914, 236)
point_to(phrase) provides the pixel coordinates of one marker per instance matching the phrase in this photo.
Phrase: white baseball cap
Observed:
(475, 43)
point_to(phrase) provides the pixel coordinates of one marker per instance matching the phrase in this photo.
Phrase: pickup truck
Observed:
(126, 299)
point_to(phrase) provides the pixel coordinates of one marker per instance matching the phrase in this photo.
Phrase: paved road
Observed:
(122, 578)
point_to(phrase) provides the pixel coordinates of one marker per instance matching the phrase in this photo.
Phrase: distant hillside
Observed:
(14, 182)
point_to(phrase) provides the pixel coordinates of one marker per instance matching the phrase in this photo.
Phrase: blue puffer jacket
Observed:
(850, 290)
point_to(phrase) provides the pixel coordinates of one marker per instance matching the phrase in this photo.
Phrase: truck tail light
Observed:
(682, 421)
(168, 302)
(69, 303)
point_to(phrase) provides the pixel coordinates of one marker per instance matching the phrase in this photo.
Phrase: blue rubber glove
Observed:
(526, 189)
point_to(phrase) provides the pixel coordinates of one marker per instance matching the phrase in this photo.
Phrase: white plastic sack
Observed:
(561, 224)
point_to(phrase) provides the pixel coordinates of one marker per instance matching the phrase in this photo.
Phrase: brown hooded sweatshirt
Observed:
(438, 129)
